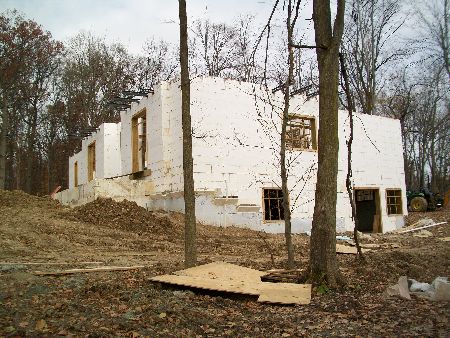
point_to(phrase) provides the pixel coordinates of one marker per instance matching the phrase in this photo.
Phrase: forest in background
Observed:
(52, 92)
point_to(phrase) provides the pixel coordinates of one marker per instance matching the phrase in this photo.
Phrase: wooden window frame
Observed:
(279, 201)
(75, 174)
(397, 202)
(135, 160)
(91, 161)
(302, 127)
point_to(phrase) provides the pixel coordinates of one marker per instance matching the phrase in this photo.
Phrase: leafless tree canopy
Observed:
(397, 55)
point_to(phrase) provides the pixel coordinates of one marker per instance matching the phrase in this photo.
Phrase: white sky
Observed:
(130, 22)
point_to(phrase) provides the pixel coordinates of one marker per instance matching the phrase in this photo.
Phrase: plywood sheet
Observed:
(226, 277)
(285, 293)
(244, 288)
(222, 271)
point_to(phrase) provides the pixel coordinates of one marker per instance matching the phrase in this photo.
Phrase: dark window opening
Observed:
(273, 204)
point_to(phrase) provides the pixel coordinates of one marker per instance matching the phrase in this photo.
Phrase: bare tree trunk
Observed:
(190, 246)
(284, 178)
(348, 182)
(3, 136)
(30, 175)
(323, 262)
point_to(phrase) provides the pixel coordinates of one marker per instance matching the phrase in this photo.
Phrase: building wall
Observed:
(235, 147)
(235, 150)
(112, 165)
(107, 155)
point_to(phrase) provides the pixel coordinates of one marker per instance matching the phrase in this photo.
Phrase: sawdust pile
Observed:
(125, 215)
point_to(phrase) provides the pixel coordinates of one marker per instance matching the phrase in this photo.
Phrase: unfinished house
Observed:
(235, 149)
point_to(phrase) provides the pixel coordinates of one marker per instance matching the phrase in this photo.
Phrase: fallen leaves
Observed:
(41, 325)
(126, 304)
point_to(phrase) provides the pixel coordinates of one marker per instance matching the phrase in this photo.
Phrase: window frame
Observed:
(398, 201)
(279, 199)
(313, 133)
(92, 161)
(75, 174)
(139, 156)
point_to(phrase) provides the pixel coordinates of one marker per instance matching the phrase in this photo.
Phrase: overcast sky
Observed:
(130, 22)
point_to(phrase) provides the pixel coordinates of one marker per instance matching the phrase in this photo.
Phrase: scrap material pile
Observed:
(225, 277)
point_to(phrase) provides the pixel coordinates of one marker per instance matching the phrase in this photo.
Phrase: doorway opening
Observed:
(368, 210)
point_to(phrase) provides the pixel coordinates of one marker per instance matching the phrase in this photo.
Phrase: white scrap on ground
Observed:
(438, 290)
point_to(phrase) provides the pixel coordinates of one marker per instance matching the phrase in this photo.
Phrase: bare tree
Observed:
(328, 35)
(93, 73)
(290, 23)
(159, 63)
(371, 26)
(244, 68)
(215, 43)
(190, 251)
(435, 33)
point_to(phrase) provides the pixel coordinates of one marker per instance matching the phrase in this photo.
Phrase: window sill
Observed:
(300, 149)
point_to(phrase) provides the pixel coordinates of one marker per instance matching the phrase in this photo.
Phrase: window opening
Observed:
(273, 204)
(394, 201)
(139, 141)
(301, 133)
(75, 173)
(91, 161)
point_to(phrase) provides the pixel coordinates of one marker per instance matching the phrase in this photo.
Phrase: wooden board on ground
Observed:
(285, 293)
(99, 269)
(226, 277)
(344, 249)
(222, 271)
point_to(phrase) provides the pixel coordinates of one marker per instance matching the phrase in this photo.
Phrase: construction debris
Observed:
(423, 234)
(344, 249)
(438, 290)
(99, 269)
(399, 290)
(226, 277)
(422, 227)
(48, 263)
(282, 276)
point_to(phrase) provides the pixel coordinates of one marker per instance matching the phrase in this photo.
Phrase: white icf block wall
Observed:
(107, 155)
(236, 146)
(235, 150)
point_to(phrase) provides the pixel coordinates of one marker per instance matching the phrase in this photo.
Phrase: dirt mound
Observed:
(124, 215)
(18, 198)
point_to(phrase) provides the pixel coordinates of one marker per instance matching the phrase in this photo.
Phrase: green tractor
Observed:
(423, 200)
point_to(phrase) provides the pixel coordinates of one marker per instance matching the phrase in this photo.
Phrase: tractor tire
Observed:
(418, 204)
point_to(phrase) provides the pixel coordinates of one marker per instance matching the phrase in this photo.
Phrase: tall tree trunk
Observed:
(348, 181)
(190, 246)
(30, 174)
(323, 262)
(3, 137)
(285, 119)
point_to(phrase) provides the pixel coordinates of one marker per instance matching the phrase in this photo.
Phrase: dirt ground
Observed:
(39, 234)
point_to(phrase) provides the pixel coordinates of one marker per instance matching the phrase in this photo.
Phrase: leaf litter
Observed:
(124, 303)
